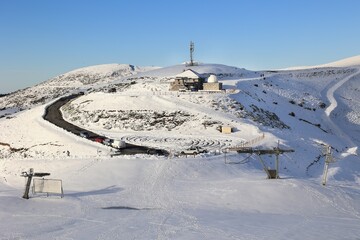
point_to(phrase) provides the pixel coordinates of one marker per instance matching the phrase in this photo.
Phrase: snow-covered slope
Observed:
(150, 197)
(347, 62)
(96, 75)
(74, 81)
(217, 69)
(279, 104)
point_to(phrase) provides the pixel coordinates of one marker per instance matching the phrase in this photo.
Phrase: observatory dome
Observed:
(212, 79)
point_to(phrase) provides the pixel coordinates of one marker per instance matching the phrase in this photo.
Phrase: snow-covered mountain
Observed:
(74, 81)
(98, 74)
(347, 62)
(279, 103)
(150, 197)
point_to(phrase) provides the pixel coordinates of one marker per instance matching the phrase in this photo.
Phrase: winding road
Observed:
(54, 115)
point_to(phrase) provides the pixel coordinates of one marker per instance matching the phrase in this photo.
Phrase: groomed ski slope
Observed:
(142, 198)
(149, 197)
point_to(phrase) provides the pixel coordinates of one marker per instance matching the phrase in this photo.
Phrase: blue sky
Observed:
(40, 39)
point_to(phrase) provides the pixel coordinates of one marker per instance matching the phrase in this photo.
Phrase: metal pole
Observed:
(277, 160)
(328, 159)
(264, 166)
(326, 168)
(277, 165)
(28, 183)
(225, 155)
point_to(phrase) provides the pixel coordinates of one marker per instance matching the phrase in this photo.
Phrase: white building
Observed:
(212, 84)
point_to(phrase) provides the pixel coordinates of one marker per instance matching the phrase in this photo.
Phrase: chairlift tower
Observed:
(328, 159)
(192, 48)
(271, 173)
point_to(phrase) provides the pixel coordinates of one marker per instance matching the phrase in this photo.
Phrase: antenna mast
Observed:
(192, 47)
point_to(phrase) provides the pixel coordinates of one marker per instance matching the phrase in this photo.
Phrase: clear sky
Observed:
(40, 39)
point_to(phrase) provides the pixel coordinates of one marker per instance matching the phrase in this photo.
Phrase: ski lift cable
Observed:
(243, 161)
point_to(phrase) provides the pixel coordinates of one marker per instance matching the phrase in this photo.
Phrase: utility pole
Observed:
(277, 153)
(277, 165)
(192, 48)
(328, 159)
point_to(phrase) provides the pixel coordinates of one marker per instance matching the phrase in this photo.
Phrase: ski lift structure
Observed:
(328, 159)
(277, 151)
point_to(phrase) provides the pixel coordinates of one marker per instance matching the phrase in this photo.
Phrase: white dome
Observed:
(212, 79)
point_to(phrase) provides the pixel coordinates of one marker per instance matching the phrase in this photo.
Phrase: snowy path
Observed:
(232, 83)
(333, 104)
(330, 93)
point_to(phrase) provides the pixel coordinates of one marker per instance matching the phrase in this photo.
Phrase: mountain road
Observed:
(54, 115)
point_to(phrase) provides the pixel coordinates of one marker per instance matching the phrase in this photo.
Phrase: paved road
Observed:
(53, 115)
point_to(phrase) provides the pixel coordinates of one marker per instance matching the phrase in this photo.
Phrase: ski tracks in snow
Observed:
(159, 189)
(337, 200)
(163, 217)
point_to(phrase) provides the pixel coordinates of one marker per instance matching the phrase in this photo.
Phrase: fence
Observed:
(248, 143)
(47, 186)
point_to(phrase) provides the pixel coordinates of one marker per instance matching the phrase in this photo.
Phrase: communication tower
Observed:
(192, 48)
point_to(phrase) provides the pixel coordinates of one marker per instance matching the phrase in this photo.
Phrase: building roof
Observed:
(189, 74)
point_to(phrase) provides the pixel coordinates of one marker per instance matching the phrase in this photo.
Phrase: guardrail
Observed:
(247, 143)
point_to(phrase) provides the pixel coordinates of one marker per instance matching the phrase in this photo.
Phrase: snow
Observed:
(330, 93)
(347, 62)
(350, 151)
(157, 197)
(103, 68)
(201, 69)
(41, 138)
(188, 74)
(74, 81)
(179, 199)
(108, 69)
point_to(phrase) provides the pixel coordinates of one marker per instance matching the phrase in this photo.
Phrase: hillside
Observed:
(347, 62)
(278, 104)
(208, 196)
(74, 81)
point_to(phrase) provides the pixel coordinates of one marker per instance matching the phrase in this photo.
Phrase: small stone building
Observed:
(212, 84)
(226, 129)
(189, 80)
